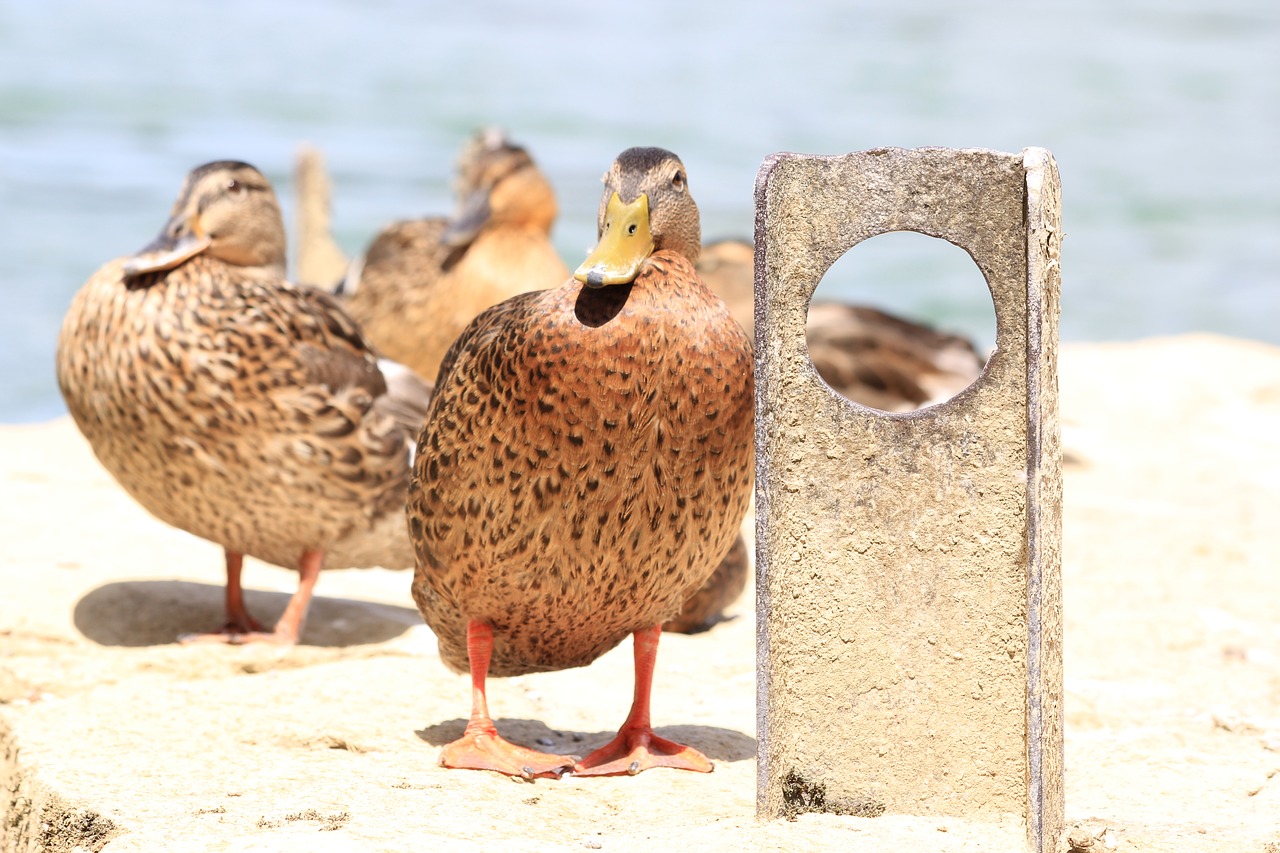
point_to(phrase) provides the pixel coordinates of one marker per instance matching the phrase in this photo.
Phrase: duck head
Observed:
(226, 210)
(646, 208)
(498, 184)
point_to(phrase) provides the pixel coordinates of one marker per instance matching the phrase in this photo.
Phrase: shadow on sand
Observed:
(716, 743)
(154, 613)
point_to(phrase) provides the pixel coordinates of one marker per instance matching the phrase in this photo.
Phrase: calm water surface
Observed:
(1164, 116)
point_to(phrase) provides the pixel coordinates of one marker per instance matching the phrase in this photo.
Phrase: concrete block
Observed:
(909, 590)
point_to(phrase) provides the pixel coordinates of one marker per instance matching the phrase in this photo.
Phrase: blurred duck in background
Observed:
(869, 356)
(421, 281)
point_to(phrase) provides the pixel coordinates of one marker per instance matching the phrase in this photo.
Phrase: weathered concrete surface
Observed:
(909, 620)
(1172, 687)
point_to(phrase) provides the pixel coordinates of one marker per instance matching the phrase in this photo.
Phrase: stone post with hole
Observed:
(909, 588)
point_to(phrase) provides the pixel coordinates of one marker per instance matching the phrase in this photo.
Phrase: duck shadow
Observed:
(155, 613)
(712, 741)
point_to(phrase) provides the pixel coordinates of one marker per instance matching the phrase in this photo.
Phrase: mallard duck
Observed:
(406, 246)
(422, 281)
(868, 355)
(585, 467)
(728, 268)
(320, 260)
(237, 406)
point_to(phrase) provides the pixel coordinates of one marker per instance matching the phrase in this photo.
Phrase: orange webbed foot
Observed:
(482, 748)
(634, 750)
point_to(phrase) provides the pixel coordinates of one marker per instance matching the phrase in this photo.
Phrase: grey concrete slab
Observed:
(909, 593)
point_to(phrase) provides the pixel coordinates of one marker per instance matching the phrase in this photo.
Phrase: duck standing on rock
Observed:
(237, 406)
(585, 466)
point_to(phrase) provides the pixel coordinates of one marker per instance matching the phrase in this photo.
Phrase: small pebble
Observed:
(546, 741)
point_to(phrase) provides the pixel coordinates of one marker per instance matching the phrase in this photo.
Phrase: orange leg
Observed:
(636, 747)
(242, 628)
(289, 625)
(480, 747)
(238, 619)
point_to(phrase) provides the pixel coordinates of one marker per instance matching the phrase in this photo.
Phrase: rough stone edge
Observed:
(1045, 760)
(36, 819)
(762, 491)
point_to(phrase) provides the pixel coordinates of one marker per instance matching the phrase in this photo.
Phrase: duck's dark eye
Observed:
(233, 185)
(631, 229)
(678, 181)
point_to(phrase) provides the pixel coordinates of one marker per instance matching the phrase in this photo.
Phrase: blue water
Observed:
(1164, 116)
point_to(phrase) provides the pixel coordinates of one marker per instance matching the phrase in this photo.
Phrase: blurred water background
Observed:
(1164, 116)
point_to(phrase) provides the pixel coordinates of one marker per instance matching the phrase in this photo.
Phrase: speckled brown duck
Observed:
(422, 281)
(585, 466)
(870, 356)
(407, 244)
(237, 406)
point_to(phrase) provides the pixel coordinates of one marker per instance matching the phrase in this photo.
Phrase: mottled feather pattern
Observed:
(586, 464)
(238, 407)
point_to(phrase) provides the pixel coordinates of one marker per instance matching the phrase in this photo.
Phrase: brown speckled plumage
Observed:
(232, 404)
(586, 463)
(422, 281)
(585, 466)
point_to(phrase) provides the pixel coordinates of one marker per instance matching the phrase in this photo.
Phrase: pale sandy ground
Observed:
(120, 738)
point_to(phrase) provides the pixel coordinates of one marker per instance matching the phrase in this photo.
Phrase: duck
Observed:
(421, 281)
(238, 406)
(585, 466)
(869, 356)
(405, 249)
(709, 604)
(320, 261)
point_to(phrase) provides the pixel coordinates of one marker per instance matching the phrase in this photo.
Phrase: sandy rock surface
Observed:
(114, 738)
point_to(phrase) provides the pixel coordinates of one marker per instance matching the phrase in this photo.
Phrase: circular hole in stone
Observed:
(901, 321)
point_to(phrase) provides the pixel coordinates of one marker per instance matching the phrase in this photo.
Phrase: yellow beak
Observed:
(625, 244)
